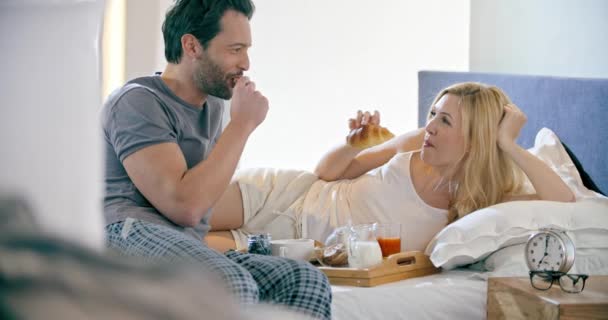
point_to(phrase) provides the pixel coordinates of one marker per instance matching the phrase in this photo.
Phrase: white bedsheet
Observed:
(455, 294)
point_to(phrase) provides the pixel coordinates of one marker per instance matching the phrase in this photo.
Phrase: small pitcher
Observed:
(363, 248)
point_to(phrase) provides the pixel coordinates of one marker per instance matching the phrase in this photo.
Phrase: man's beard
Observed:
(210, 79)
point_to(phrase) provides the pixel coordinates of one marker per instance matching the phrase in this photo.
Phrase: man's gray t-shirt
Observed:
(142, 113)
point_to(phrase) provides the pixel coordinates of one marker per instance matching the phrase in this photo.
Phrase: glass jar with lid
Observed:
(259, 244)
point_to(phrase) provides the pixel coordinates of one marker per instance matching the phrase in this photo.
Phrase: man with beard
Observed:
(168, 161)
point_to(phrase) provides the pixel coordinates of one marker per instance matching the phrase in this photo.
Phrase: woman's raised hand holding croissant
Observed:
(364, 118)
(365, 130)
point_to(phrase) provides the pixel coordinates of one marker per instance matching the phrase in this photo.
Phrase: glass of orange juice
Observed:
(389, 238)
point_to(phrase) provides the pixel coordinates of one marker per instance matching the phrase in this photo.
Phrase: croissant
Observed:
(368, 135)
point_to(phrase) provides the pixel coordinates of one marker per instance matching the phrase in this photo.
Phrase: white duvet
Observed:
(455, 294)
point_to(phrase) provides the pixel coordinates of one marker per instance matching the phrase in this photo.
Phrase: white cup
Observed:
(298, 249)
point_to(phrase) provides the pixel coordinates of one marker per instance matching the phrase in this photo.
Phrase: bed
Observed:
(490, 241)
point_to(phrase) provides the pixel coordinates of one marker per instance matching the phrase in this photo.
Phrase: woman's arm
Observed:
(548, 185)
(347, 162)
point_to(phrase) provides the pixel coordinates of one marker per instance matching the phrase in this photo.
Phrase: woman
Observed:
(465, 159)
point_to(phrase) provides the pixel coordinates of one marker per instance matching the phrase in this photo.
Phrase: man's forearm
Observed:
(202, 185)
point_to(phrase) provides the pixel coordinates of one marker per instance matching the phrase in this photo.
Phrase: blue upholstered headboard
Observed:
(576, 109)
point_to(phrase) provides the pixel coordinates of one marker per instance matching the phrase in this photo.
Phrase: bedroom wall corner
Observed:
(545, 37)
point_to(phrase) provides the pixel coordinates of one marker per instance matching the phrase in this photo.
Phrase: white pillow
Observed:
(549, 148)
(511, 262)
(484, 231)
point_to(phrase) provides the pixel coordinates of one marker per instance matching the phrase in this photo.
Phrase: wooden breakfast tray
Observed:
(396, 267)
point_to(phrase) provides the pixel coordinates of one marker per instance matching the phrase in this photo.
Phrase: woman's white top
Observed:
(385, 194)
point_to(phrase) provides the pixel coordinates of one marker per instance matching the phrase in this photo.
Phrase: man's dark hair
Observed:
(201, 18)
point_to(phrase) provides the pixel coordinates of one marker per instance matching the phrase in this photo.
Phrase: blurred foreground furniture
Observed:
(50, 94)
(45, 277)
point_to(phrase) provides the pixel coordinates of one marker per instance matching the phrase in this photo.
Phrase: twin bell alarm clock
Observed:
(550, 250)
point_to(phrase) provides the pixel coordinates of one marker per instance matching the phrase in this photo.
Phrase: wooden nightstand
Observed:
(514, 298)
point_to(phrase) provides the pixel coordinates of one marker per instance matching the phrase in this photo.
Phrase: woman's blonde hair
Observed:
(486, 173)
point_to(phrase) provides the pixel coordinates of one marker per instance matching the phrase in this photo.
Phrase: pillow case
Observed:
(549, 148)
(478, 234)
(475, 236)
(585, 177)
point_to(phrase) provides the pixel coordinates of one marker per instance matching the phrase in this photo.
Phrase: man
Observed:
(168, 162)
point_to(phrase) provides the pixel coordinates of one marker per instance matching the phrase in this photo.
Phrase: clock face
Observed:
(545, 252)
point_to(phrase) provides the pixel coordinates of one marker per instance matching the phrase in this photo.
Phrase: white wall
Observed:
(143, 33)
(133, 41)
(113, 46)
(540, 37)
(50, 98)
(319, 61)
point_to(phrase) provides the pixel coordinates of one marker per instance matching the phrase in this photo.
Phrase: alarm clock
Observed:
(550, 250)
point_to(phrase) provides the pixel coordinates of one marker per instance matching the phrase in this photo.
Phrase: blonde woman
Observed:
(464, 159)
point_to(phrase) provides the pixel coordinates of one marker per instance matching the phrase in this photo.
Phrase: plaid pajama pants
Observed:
(252, 278)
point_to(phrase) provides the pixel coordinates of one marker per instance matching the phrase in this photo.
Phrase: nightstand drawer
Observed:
(514, 298)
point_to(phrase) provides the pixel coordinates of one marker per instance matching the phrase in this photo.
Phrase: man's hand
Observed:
(249, 107)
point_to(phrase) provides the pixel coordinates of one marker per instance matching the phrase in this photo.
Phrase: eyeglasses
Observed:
(571, 283)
